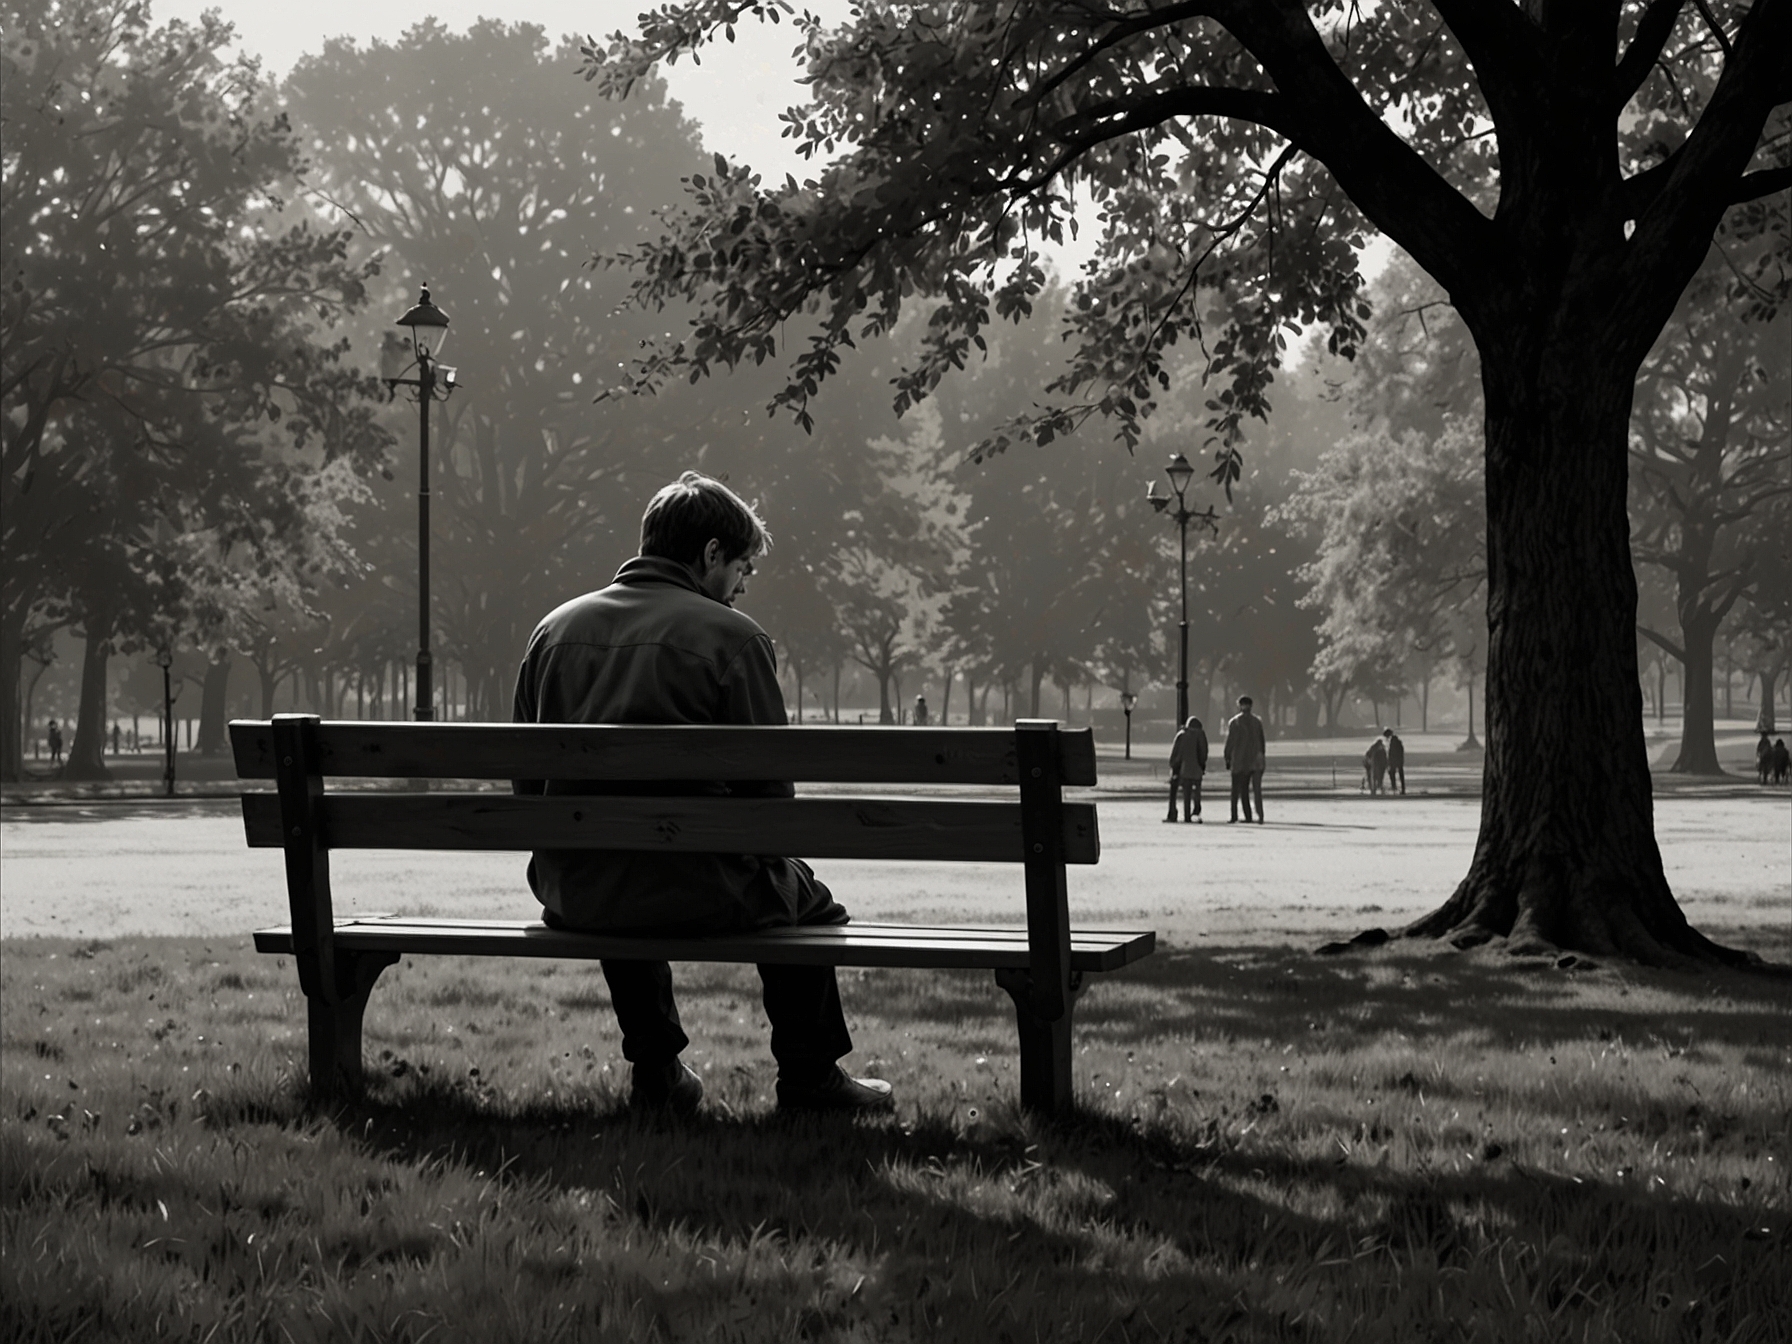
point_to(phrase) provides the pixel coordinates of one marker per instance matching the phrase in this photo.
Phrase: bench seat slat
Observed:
(815, 753)
(813, 828)
(833, 945)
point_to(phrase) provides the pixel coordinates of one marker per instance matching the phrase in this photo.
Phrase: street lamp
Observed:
(1127, 701)
(165, 660)
(1180, 473)
(428, 326)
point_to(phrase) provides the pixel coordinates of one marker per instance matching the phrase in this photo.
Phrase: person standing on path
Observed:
(54, 732)
(1188, 763)
(1246, 752)
(1396, 761)
(1375, 767)
(921, 719)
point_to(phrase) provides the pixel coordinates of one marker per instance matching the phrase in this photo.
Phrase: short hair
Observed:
(1245, 700)
(682, 518)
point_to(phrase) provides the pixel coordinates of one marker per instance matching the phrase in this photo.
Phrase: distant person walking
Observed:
(1782, 763)
(1188, 763)
(1396, 761)
(920, 711)
(55, 735)
(1245, 755)
(1763, 753)
(115, 737)
(1375, 767)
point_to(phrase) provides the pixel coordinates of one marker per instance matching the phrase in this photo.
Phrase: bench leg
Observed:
(334, 1027)
(1045, 1081)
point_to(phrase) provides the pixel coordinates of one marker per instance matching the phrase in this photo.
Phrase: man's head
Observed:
(1244, 702)
(1192, 724)
(1387, 732)
(705, 526)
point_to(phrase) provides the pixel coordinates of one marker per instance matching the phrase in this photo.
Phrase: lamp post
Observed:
(165, 660)
(1180, 473)
(1127, 701)
(428, 326)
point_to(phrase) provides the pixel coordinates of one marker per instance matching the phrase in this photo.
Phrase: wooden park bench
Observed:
(1042, 966)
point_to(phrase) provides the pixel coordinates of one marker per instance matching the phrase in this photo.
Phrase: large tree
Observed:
(1560, 169)
(1709, 461)
(172, 392)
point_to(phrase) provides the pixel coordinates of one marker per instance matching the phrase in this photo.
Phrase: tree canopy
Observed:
(172, 391)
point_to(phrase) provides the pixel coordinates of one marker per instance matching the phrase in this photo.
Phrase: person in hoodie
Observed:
(663, 643)
(1188, 763)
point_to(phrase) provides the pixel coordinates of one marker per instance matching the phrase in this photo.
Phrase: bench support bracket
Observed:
(1045, 1079)
(333, 1022)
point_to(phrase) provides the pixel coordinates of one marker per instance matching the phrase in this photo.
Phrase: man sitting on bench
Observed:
(663, 644)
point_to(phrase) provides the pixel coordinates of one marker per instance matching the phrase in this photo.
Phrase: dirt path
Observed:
(1322, 868)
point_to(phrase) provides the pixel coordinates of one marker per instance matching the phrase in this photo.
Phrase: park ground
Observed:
(103, 860)
(1399, 1143)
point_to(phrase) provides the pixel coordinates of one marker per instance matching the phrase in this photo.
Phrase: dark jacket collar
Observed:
(645, 569)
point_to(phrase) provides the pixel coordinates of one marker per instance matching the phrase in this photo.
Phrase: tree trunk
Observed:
(1764, 720)
(1698, 736)
(1566, 856)
(1037, 671)
(12, 731)
(87, 753)
(212, 710)
(946, 700)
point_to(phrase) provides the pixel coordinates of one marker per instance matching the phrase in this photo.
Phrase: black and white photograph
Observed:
(858, 671)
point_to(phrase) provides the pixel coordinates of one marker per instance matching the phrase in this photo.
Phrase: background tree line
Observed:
(202, 275)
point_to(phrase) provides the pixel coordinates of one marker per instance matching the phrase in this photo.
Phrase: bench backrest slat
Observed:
(819, 828)
(808, 752)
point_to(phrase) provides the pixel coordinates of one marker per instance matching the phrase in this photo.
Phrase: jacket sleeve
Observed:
(522, 710)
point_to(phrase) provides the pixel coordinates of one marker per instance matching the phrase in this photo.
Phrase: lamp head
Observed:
(1128, 700)
(164, 659)
(1180, 473)
(428, 324)
(1157, 501)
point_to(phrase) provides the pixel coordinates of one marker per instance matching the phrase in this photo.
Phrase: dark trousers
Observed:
(1246, 786)
(1396, 777)
(803, 1002)
(1191, 796)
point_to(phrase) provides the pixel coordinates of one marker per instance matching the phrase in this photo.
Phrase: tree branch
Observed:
(1388, 181)
(1124, 28)
(1652, 33)
(1766, 181)
(1121, 117)
(1501, 42)
(1673, 649)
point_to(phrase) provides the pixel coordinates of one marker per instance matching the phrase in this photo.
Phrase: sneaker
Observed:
(671, 1086)
(836, 1092)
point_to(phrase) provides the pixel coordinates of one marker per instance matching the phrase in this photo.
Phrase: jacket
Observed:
(1245, 749)
(654, 648)
(1188, 753)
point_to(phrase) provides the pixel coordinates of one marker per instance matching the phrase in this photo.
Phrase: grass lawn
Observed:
(1392, 1144)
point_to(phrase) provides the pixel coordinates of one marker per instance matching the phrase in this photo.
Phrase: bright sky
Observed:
(735, 95)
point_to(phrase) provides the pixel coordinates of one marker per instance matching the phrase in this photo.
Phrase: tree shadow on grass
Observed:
(1427, 996)
(1093, 1213)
